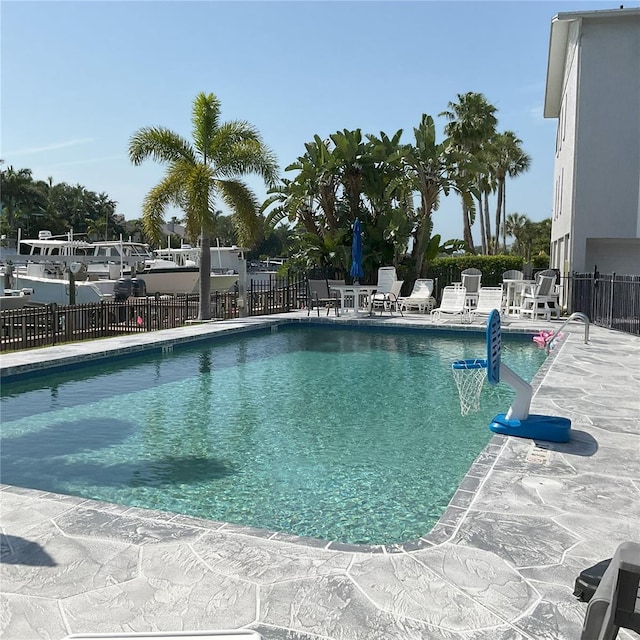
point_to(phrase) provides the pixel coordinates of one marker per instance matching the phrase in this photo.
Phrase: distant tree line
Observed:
(393, 187)
(32, 205)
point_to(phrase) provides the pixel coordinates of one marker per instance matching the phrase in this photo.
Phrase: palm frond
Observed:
(205, 117)
(275, 216)
(238, 149)
(168, 191)
(244, 204)
(199, 190)
(252, 157)
(159, 144)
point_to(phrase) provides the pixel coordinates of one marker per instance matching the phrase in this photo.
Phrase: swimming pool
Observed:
(337, 434)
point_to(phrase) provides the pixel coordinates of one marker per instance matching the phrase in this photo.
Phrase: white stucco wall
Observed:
(597, 168)
(608, 135)
(562, 216)
(614, 255)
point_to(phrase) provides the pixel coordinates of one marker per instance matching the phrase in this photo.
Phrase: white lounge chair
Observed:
(489, 298)
(452, 304)
(388, 301)
(421, 297)
(386, 277)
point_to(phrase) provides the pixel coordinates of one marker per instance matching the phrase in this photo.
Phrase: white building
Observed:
(593, 89)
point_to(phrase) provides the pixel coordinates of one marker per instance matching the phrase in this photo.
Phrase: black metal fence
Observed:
(276, 295)
(608, 300)
(46, 325)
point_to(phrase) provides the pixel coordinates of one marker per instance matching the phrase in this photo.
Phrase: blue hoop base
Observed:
(536, 427)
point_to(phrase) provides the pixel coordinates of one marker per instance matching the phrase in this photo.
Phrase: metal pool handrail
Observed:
(574, 316)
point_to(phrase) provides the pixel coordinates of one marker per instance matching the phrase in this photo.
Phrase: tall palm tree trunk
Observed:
(487, 220)
(205, 277)
(504, 218)
(467, 236)
(483, 236)
(499, 212)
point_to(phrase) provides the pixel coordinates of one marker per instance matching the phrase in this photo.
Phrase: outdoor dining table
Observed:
(513, 290)
(355, 297)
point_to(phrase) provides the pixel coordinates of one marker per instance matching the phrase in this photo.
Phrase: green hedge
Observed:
(449, 269)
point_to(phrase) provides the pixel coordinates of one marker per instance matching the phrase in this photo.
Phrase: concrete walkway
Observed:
(500, 564)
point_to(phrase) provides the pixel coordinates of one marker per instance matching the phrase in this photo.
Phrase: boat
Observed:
(52, 266)
(15, 299)
(125, 259)
(223, 277)
(97, 267)
(164, 271)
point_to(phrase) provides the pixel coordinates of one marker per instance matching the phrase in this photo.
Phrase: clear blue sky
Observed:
(78, 78)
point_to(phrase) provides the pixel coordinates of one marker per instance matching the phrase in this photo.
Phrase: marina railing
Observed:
(608, 300)
(276, 295)
(45, 325)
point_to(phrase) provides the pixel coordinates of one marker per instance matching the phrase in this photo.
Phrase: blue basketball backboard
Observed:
(494, 346)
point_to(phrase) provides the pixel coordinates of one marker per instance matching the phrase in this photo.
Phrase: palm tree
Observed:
(21, 199)
(310, 198)
(516, 226)
(196, 173)
(508, 160)
(353, 164)
(471, 123)
(430, 170)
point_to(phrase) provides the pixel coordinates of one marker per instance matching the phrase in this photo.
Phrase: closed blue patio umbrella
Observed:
(356, 253)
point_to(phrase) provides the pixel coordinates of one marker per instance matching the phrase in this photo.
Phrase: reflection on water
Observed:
(339, 434)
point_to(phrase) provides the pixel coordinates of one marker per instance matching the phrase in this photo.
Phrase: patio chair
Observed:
(471, 279)
(546, 272)
(510, 295)
(319, 296)
(554, 302)
(388, 301)
(513, 274)
(386, 277)
(421, 297)
(332, 283)
(489, 298)
(616, 602)
(539, 299)
(452, 304)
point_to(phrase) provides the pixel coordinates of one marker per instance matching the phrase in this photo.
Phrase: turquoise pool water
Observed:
(337, 434)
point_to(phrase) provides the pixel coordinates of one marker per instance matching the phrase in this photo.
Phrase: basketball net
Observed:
(469, 376)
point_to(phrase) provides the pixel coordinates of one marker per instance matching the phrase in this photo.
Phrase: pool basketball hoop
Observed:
(469, 376)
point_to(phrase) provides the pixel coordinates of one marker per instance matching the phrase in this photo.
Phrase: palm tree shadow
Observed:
(16, 550)
(64, 438)
(54, 475)
(168, 471)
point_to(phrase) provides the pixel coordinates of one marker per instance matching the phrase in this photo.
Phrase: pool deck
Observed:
(499, 565)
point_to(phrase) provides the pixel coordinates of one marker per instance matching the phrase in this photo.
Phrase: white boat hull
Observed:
(54, 290)
(177, 280)
(223, 282)
(170, 281)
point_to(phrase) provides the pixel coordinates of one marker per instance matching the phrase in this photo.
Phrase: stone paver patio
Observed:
(499, 565)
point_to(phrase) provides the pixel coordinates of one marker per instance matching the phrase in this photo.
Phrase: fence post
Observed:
(610, 310)
(55, 322)
(594, 292)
